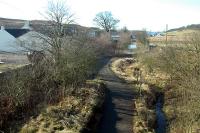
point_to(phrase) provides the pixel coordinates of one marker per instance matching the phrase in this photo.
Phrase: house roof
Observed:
(17, 32)
(7, 41)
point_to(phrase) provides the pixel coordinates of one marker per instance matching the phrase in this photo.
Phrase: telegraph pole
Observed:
(166, 33)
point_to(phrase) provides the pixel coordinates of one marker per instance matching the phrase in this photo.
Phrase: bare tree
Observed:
(59, 16)
(106, 20)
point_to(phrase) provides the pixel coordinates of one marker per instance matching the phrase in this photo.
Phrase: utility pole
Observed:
(166, 33)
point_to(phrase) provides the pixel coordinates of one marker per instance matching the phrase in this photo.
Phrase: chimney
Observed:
(2, 28)
(27, 26)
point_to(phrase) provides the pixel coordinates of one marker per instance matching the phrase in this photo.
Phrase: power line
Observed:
(11, 6)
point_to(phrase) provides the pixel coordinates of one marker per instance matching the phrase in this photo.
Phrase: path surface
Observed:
(118, 109)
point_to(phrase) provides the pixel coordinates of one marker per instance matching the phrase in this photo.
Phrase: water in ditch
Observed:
(161, 120)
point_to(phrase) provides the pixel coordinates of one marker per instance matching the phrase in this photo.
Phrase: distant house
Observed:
(160, 34)
(93, 32)
(152, 34)
(115, 37)
(27, 26)
(133, 37)
(70, 30)
(152, 46)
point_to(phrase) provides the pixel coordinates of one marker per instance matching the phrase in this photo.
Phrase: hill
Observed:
(181, 34)
(188, 27)
(37, 25)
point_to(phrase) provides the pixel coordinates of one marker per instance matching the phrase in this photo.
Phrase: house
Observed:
(27, 26)
(17, 42)
(12, 39)
(152, 46)
(70, 30)
(115, 37)
(7, 41)
(160, 35)
(133, 37)
(93, 32)
(34, 41)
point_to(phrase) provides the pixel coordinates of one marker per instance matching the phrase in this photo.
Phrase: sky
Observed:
(152, 15)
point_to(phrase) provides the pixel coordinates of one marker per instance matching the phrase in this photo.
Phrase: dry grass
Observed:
(13, 58)
(175, 36)
(12, 61)
(180, 83)
(6, 67)
(68, 116)
(123, 68)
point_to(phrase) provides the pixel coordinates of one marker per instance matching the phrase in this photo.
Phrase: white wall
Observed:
(7, 41)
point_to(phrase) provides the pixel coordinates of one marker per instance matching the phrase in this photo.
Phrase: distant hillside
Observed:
(37, 25)
(188, 27)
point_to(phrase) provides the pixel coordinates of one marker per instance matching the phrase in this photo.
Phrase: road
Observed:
(118, 108)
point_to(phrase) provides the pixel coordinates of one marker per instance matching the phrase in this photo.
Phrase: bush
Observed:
(181, 63)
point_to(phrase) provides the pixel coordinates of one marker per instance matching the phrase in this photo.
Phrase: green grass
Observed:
(6, 67)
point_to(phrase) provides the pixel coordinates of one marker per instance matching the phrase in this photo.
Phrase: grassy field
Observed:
(6, 67)
(12, 61)
(175, 36)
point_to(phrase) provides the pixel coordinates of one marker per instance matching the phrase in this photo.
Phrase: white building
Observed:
(7, 41)
(11, 40)
(17, 42)
(34, 41)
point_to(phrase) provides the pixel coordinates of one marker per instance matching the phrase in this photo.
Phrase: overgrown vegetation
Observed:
(71, 114)
(59, 66)
(180, 66)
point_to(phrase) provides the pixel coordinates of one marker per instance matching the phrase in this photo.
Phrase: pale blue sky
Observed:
(135, 14)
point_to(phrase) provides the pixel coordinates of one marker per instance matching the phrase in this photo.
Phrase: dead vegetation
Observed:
(70, 115)
(124, 68)
(181, 85)
(57, 72)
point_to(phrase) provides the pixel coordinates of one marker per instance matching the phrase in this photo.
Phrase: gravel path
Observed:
(118, 109)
